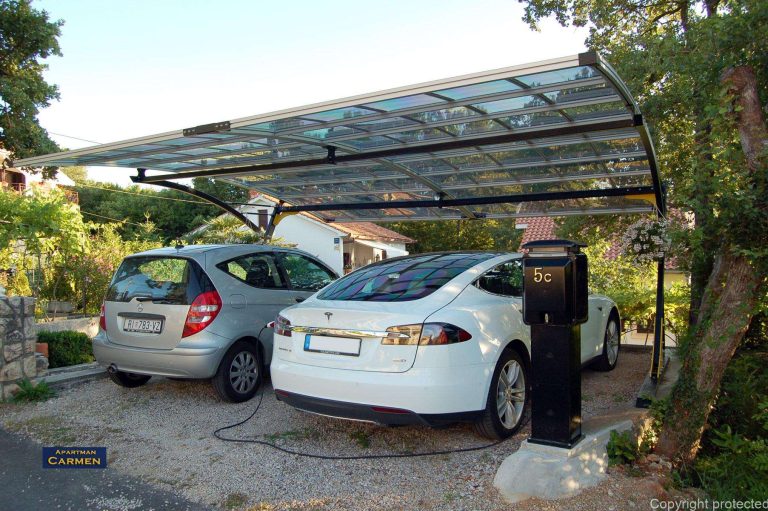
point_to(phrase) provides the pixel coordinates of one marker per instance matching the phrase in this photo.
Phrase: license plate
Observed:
(145, 326)
(332, 345)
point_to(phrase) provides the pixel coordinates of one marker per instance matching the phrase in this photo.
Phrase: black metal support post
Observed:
(206, 197)
(657, 363)
(272, 221)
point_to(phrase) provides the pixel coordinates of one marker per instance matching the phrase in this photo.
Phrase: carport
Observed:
(554, 138)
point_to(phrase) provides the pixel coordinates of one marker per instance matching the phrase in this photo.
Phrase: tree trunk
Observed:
(730, 300)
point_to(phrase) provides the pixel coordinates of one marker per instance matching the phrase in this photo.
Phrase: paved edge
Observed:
(28, 486)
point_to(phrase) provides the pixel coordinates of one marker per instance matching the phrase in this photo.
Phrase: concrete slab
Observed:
(62, 376)
(552, 473)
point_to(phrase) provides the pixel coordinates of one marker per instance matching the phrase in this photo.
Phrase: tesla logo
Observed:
(140, 308)
(328, 315)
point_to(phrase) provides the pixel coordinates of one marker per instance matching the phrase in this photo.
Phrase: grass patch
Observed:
(31, 393)
(361, 438)
(47, 429)
(235, 500)
(293, 434)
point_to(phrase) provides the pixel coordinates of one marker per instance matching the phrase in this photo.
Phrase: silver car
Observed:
(201, 312)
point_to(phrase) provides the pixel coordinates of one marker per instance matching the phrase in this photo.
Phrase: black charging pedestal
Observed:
(555, 303)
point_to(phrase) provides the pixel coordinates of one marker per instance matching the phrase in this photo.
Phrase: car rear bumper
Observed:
(180, 362)
(420, 395)
(371, 413)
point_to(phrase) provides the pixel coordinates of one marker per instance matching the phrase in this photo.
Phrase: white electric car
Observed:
(425, 339)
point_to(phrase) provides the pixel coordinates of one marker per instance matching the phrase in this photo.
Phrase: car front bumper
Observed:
(200, 361)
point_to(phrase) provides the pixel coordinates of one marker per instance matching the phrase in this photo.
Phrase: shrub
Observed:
(622, 448)
(733, 462)
(67, 348)
(739, 470)
(30, 393)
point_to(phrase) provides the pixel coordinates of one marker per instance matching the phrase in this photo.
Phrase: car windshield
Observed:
(402, 279)
(169, 280)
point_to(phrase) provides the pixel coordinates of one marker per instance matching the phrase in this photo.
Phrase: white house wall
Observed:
(314, 238)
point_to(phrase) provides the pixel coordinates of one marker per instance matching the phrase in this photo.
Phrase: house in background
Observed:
(21, 180)
(342, 246)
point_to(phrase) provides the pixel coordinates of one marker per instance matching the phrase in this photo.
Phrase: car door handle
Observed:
(299, 299)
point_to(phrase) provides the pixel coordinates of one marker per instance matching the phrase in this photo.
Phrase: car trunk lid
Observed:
(348, 335)
(149, 298)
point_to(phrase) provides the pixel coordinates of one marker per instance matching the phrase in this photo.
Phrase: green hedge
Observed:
(67, 348)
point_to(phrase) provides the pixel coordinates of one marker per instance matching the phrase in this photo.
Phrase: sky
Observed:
(135, 68)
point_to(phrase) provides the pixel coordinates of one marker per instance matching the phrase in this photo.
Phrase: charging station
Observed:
(555, 303)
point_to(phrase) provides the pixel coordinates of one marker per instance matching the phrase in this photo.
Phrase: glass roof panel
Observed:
(388, 105)
(339, 113)
(559, 125)
(558, 76)
(479, 89)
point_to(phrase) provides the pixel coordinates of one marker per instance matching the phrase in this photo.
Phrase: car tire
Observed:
(611, 344)
(240, 373)
(507, 403)
(128, 380)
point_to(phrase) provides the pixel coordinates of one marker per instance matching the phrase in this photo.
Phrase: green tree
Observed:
(460, 235)
(77, 174)
(27, 37)
(700, 71)
(39, 230)
(173, 213)
(221, 190)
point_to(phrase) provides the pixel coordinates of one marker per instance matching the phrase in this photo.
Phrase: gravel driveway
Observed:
(162, 434)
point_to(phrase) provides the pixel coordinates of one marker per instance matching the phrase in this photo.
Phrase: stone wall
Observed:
(17, 343)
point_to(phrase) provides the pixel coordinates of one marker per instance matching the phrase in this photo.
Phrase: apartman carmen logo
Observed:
(74, 457)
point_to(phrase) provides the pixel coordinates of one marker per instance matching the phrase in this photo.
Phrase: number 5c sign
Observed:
(540, 276)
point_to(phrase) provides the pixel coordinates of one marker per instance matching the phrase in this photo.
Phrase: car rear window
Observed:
(172, 280)
(400, 280)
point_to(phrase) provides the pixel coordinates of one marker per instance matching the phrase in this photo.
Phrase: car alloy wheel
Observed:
(612, 341)
(510, 394)
(243, 372)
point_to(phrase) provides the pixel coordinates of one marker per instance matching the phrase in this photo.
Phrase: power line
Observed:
(109, 218)
(143, 194)
(75, 138)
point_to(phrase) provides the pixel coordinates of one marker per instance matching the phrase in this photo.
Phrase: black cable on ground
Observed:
(327, 457)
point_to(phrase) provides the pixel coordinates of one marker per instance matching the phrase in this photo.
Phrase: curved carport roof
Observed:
(552, 138)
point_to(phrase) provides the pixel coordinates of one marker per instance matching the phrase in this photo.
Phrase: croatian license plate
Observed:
(332, 345)
(145, 326)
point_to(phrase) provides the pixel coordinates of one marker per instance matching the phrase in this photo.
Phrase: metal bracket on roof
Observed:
(273, 221)
(141, 174)
(213, 127)
(331, 158)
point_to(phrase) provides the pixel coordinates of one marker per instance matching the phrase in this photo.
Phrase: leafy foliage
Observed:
(103, 203)
(40, 229)
(67, 348)
(27, 37)
(739, 471)
(224, 229)
(84, 278)
(622, 447)
(460, 235)
(29, 393)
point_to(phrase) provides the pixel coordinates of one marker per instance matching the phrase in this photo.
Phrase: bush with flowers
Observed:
(645, 240)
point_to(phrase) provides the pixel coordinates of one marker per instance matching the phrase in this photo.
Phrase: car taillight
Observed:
(103, 317)
(202, 312)
(282, 326)
(429, 334)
